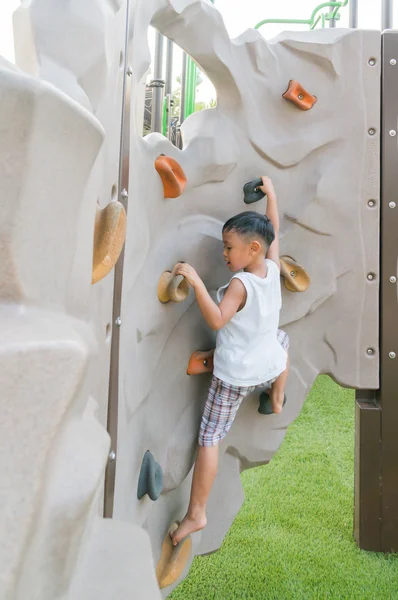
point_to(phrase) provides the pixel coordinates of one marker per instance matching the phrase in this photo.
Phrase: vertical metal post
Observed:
(332, 22)
(386, 14)
(158, 84)
(169, 86)
(183, 86)
(353, 15)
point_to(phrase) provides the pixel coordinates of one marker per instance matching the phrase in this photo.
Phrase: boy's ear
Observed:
(255, 247)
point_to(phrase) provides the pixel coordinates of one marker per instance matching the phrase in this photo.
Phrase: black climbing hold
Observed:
(251, 191)
(265, 407)
(150, 480)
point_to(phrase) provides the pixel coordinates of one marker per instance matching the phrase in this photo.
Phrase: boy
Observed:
(250, 350)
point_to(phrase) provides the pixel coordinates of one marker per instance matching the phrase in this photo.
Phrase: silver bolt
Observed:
(300, 97)
(372, 131)
(393, 279)
(371, 203)
(392, 132)
(129, 71)
(118, 321)
(370, 276)
(124, 194)
(393, 62)
(392, 204)
(392, 354)
(112, 456)
(370, 351)
(372, 62)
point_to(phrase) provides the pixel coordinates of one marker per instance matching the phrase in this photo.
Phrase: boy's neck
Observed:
(258, 268)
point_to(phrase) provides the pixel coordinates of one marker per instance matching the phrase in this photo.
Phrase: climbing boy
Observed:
(250, 350)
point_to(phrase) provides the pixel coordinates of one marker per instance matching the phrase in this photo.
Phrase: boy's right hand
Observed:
(267, 187)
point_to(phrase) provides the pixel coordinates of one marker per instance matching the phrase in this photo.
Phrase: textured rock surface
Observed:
(54, 349)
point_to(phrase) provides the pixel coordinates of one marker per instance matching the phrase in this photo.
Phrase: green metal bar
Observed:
(311, 21)
(164, 118)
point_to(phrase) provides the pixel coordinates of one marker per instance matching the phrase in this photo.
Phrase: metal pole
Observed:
(183, 87)
(169, 86)
(332, 22)
(157, 85)
(353, 16)
(386, 14)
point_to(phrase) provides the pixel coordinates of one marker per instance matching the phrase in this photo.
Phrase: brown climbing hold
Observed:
(109, 237)
(296, 279)
(173, 559)
(172, 176)
(200, 362)
(299, 96)
(172, 287)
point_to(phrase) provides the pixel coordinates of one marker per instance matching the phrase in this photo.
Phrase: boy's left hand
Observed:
(189, 273)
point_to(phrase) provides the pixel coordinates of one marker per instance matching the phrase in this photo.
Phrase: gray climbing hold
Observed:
(251, 191)
(150, 480)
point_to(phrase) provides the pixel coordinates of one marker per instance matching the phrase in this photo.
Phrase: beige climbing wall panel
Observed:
(56, 326)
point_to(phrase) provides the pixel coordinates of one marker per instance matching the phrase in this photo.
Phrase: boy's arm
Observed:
(215, 316)
(272, 214)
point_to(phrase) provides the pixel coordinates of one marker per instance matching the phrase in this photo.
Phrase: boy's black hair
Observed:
(251, 223)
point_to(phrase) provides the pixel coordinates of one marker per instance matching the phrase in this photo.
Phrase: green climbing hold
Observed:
(150, 480)
(251, 191)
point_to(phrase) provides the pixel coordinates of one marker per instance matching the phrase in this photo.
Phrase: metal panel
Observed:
(124, 168)
(388, 396)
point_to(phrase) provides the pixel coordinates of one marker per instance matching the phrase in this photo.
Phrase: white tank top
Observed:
(247, 350)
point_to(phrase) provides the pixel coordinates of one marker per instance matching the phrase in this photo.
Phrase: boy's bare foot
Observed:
(188, 525)
(277, 402)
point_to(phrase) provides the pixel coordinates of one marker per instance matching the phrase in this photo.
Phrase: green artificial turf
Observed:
(292, 538)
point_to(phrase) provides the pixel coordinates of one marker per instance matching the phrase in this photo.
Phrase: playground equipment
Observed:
(94, 376)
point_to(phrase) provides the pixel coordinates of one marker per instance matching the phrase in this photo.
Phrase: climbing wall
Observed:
(57, 178)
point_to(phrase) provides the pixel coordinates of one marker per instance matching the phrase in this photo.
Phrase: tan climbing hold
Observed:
(109, 237)
(172, 176)
(296, 278)
(173, 559)
(172, 287)
(299, 96)
(200, 362)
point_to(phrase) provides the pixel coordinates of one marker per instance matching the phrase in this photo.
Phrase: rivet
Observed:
(393, 62)
(112, 456)
(392, 132)
(372, 62)
(118, 321)
(300, 97)
(371, 203)
(370, 351)
(392, 204)
(371, 131)
(129, 71)
(393, 279)
(292, 273)
(371, 276)
(124, 194)
(392, 354)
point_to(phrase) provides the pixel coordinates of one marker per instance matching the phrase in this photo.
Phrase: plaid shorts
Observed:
(223, 402)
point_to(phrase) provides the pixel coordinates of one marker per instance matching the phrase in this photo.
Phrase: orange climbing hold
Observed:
(295, 277)
(200, 362)
(109, 236)
(172, 176)
(172, 287)
(299, 96)
(173, 559)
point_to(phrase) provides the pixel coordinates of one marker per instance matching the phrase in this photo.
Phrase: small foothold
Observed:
(200, 362)
(150, 480)
(172, 287)
(172, 176)
(265, 406)
(299, 96)
(296, 279)
(173, 559)
(251, 191)
(109, 237)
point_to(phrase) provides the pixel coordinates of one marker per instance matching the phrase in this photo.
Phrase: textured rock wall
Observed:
(61, 125)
